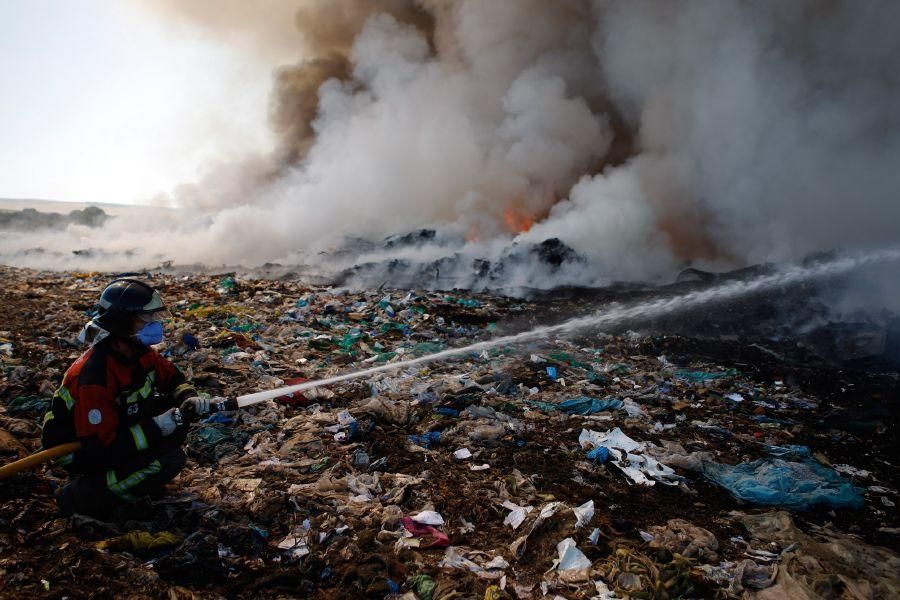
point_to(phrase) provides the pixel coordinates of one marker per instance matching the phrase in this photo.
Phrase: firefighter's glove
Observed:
(167, 422)
(201, 406)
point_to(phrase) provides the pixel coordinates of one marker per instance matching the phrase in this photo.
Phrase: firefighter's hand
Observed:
(167, 422)
(200, 406)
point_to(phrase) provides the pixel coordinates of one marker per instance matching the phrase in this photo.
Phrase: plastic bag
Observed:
(796, 485)
(584, 405)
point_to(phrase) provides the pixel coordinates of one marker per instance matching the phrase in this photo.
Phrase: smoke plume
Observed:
(644, 135)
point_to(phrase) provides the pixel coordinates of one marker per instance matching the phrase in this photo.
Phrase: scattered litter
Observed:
(319, 494)
(584, 513)
(456, 558)
(584, 405)
(641, 469)
(141, 542)
(517, 514)
(462, 454)
(424, 536)
(428, 517)
(573, 564)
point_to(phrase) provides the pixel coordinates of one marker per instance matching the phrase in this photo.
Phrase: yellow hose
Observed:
(38, 458)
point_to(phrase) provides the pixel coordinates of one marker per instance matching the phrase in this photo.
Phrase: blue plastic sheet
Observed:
(218, 418)
(599, 454)
(796, 485)
(259, 533)
(790, 451)
(700, 376)
(351, 429)
(584, 405)
(190, 341)
(426, 439)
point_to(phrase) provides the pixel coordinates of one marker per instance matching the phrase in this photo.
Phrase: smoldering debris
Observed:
(427, 260)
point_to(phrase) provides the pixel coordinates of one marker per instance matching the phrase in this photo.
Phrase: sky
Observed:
(103, 101)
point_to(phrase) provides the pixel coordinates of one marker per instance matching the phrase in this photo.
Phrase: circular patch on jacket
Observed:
(94, 416)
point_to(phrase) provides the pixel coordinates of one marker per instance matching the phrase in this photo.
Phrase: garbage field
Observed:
(630, 464)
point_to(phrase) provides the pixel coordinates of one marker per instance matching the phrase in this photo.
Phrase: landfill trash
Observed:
(684, 538)
(573, 564)
(796, 485)
(633, 409)
(642, 469)
(423, 585)
(390, 411)
(546, 511)
(584, 513)
(486, 434)
(852, 471)
(633, 573)
(493, 592)
(822, 562)
(456, 558)
(433, 537)
(462, 454)
(517, 514)
(220, 418)
(428, 517)
(296, 543)
(584, 405)
(293, 399)
(315, 498)
(602, 591)
(599, 454)
(704, 376)
(27, 404)
(426, 440)
(141, 542)
(360, 458)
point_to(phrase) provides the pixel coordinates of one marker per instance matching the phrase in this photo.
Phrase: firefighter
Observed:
(119, 400)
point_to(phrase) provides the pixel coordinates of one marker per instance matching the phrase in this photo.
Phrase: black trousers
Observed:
(98, 495)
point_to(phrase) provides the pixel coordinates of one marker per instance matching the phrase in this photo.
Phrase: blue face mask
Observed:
(150, 334)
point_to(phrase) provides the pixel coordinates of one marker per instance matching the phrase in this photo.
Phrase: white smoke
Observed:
(782, 116)
(645, 135)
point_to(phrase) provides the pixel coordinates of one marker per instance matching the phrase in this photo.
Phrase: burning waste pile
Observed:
(584, 465)
(399, 259)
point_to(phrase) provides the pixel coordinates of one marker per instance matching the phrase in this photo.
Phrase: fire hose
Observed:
(185, 413)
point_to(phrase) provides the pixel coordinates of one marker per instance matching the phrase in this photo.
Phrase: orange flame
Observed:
(474, 233)
(517, 222)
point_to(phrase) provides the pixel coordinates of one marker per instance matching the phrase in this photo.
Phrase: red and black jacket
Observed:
(107, 401)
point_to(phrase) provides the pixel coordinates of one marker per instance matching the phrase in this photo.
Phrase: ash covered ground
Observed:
(328, 495)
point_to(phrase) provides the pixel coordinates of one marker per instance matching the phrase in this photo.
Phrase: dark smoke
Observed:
(328, 30)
